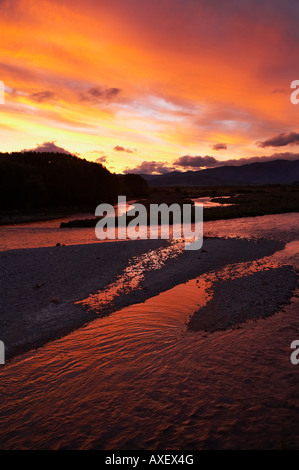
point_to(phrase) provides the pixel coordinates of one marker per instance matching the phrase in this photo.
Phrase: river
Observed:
(138, 379)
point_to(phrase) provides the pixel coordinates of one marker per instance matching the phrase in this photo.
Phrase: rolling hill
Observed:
(271, 172)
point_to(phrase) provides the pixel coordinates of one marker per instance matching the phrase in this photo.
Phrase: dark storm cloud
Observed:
(149, 168)
(101, 159)
(42, 96)
(278, 156)
(219, 147)
(189, 161)
(280, 140)
(47, 147)
(99, 95)
(120, 148)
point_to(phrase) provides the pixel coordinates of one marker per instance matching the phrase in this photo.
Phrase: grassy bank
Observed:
(255, 201)
(246, 201)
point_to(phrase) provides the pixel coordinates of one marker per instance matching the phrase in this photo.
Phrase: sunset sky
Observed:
(150, 85)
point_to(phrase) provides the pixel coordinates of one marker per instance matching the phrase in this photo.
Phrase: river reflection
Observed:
(139, 379)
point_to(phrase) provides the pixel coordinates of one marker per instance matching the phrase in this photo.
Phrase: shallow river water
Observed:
(138, 379)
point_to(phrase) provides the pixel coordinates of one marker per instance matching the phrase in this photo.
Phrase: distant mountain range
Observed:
(271, 172)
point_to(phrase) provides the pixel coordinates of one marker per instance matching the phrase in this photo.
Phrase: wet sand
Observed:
(41, 287)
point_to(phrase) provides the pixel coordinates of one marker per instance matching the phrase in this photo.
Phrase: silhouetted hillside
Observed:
(33, 179)
(272, 172)
(132, 186)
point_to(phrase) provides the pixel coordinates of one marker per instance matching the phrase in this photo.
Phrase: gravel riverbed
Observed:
(40, 286)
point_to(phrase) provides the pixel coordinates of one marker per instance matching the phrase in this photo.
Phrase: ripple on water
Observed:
(139, 379)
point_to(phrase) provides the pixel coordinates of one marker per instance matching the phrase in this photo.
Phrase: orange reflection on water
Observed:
(132, 276)
(139, 379)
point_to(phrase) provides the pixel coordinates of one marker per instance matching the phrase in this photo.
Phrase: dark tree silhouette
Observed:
(33, 180)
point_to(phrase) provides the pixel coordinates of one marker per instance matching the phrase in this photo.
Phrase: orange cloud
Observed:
(167, 77)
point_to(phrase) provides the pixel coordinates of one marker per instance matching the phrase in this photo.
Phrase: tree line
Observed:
(30, 180)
